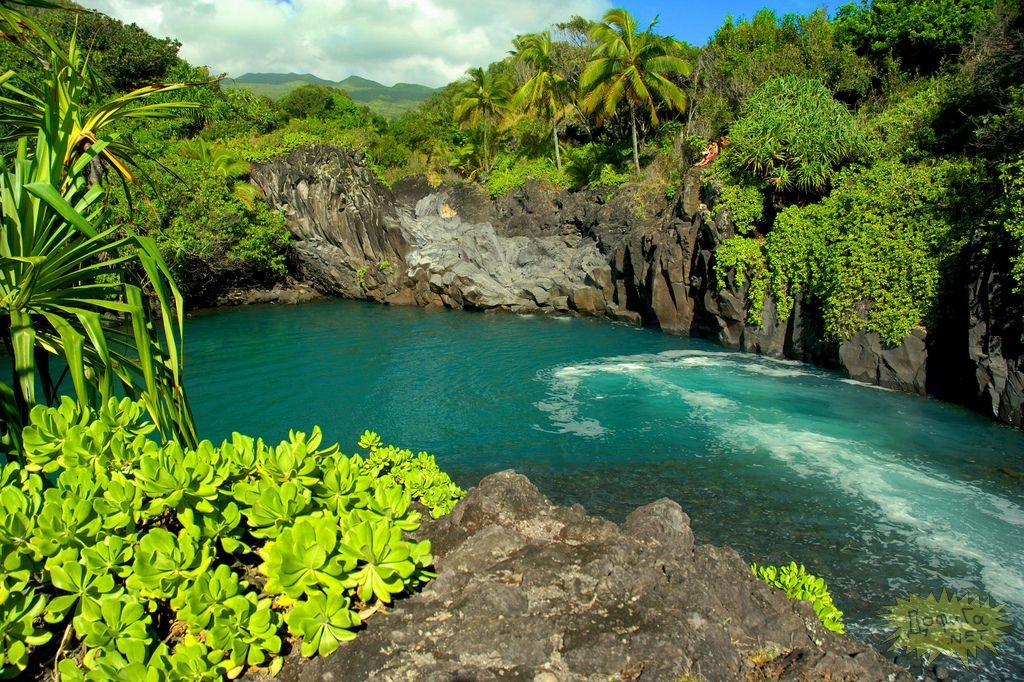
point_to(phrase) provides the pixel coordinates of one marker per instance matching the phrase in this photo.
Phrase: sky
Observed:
(431, 42)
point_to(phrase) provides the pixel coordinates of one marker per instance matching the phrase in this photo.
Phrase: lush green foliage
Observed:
(793, 135)
(744, 201)
(157, 561)
(484, 95)
(920, 33)
(510, 173)
(209, 222)
(831, 250)
(1012, 215)
(744, 258)
(797, 583)
(745, 54)
(126, 55)
(62, 268)
(547, 91)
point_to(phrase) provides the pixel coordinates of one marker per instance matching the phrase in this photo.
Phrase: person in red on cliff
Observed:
(711, 153)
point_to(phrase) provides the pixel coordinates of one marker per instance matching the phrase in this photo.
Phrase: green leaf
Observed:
(303, 558)
(323, 621)
(383, 560)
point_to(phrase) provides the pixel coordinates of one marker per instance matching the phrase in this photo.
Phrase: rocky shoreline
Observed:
(530, 591)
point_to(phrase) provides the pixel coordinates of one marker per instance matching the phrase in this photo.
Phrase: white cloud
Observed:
(431, 42)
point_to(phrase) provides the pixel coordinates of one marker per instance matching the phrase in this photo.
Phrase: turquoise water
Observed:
(883, 494)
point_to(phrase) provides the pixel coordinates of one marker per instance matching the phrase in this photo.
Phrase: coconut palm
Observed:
(631, 65)
(547, 90)
(64, 274)
(485, 95)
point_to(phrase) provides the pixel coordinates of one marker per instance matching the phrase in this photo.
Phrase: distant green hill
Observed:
(386, 101)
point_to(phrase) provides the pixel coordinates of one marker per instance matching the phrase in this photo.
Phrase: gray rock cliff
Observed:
(530, 591)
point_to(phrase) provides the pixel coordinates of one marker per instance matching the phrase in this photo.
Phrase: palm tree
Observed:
(484, 97)
(631, 65)
(63, 272)
(546, 91)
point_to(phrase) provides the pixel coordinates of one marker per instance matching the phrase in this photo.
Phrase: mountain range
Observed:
(387, 101)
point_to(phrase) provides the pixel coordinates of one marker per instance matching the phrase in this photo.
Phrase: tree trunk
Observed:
(636, 148)
(558, 154)
(486, 164)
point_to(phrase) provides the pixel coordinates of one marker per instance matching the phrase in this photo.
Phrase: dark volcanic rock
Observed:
(349, 242)
(530, 591)
(995, 340)
(903, 367)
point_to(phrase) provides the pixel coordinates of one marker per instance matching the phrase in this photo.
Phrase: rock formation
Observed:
(347, 238)
(530, 591)
(629, 254)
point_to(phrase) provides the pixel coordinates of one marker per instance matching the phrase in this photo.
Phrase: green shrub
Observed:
(797, 583)
(744, 257)
(595, 164)
(743, 197)
(511, 172)
(154, 561)
(874, 251)
(794, 135)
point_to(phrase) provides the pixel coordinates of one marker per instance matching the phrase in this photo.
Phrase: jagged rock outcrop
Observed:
(530, 591)
(994, 371)
(348, 239)
(465, 262)
(629, 254)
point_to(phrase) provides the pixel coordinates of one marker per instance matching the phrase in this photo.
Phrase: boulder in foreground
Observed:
(530, 591)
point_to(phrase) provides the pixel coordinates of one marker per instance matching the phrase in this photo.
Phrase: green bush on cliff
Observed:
(150, 561)
(872, 253)
(793, 135)
(511, 172)
(744, 257)
(797, 583)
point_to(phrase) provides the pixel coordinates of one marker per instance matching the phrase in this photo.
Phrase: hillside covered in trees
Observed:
(861, 152)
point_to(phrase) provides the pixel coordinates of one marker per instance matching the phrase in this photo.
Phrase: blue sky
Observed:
(431, 42)
(695, 21)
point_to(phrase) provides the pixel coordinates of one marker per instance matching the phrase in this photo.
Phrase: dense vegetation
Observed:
(125, 559)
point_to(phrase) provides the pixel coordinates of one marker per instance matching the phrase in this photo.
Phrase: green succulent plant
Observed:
(304, 559)
(139, 551)
(384, 560)
(797, 583)
(323, 621)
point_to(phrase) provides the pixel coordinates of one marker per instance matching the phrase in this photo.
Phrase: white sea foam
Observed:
(949, 520)
(946, 519)
(779, 372)
(854, 382)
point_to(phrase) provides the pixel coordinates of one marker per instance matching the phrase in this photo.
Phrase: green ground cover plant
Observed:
(125, 557)
(797, 583)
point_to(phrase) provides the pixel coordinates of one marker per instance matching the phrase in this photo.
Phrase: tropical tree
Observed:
(546, 91)
(635, 66)
(483, 98)
(64, 273)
